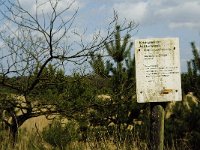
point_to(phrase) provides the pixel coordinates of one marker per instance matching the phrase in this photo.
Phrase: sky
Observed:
(155, 18)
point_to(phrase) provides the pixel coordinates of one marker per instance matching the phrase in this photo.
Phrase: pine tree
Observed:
(120, 71)
(191, 79)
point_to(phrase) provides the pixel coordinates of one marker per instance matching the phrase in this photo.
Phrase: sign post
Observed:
(158, 80)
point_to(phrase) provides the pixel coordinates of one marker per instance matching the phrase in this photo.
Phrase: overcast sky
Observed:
(156, 18)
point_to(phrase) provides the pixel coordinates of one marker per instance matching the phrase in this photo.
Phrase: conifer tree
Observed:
(191, 79)
(120, 71)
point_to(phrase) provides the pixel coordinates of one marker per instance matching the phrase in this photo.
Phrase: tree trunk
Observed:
(13, 133)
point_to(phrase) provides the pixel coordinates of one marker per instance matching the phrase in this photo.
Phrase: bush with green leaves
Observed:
(59, 135)
(182, 128)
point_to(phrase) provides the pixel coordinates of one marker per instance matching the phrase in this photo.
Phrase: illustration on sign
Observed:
(158, 76)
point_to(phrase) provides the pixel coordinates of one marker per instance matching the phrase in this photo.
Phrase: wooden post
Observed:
(157, 128)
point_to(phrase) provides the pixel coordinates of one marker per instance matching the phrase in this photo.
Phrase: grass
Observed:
(32, 140)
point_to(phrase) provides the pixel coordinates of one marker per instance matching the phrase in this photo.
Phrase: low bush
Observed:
(59, 135)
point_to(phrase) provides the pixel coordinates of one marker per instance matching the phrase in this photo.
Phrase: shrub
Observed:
(59, 135)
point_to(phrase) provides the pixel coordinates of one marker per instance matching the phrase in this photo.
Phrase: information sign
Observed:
(158, 76)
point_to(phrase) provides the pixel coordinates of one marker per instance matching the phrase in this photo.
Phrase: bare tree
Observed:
(33, 38)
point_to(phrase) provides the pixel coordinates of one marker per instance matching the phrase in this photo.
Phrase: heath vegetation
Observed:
(92, 108)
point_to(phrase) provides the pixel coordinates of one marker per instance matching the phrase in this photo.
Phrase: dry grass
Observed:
(30, 143)
(33, 141)
(30, 138)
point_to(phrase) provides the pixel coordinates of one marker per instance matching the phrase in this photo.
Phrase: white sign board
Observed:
(158, 76)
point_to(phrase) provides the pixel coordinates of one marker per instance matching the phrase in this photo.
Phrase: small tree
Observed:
(191, 79)
(32, 40)
(119, 70)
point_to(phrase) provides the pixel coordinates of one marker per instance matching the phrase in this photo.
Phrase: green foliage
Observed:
(182, 128)
(119, 71)
(97, 64)
(191, 79)
(52, 83)
(59, 135)
(117, 50)
(77, 97)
